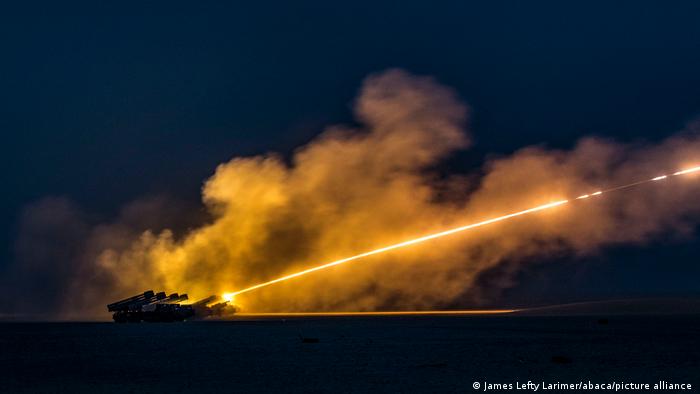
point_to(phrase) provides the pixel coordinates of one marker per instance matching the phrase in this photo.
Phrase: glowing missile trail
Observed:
(230, 296)
(398, 245)
(688, 171)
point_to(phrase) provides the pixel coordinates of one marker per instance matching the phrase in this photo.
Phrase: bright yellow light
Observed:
(687, 171)
(228, 297)
(402, 244)
(582, 197)
(658, 178)
(598, 193)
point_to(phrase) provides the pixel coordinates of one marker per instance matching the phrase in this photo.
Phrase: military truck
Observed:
(159, 307)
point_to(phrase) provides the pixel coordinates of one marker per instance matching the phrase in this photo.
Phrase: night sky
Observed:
(104, 104)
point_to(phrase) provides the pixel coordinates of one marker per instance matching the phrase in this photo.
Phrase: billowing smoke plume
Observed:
(354, 189)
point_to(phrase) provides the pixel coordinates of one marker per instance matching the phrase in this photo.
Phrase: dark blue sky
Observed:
(106, 103)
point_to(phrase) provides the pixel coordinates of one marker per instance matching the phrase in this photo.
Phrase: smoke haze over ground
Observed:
(350, 190)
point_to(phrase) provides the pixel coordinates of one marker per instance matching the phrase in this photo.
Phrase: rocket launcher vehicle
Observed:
(159, 307)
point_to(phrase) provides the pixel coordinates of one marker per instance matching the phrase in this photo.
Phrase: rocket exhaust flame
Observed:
(230, 296)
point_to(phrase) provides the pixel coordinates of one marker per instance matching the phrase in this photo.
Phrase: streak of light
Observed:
(403, 244)
(687, 171)
(451, 231)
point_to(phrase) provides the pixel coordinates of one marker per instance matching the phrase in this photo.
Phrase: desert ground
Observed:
(346, 354)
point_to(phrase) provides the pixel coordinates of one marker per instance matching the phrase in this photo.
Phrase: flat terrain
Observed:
(352, 354)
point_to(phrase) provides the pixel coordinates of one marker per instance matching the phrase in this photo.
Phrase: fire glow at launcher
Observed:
(230, 296)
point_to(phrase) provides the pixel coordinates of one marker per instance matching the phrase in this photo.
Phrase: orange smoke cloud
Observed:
(357, 189)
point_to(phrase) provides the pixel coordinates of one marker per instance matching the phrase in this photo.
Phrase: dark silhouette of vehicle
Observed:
(159, 307)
